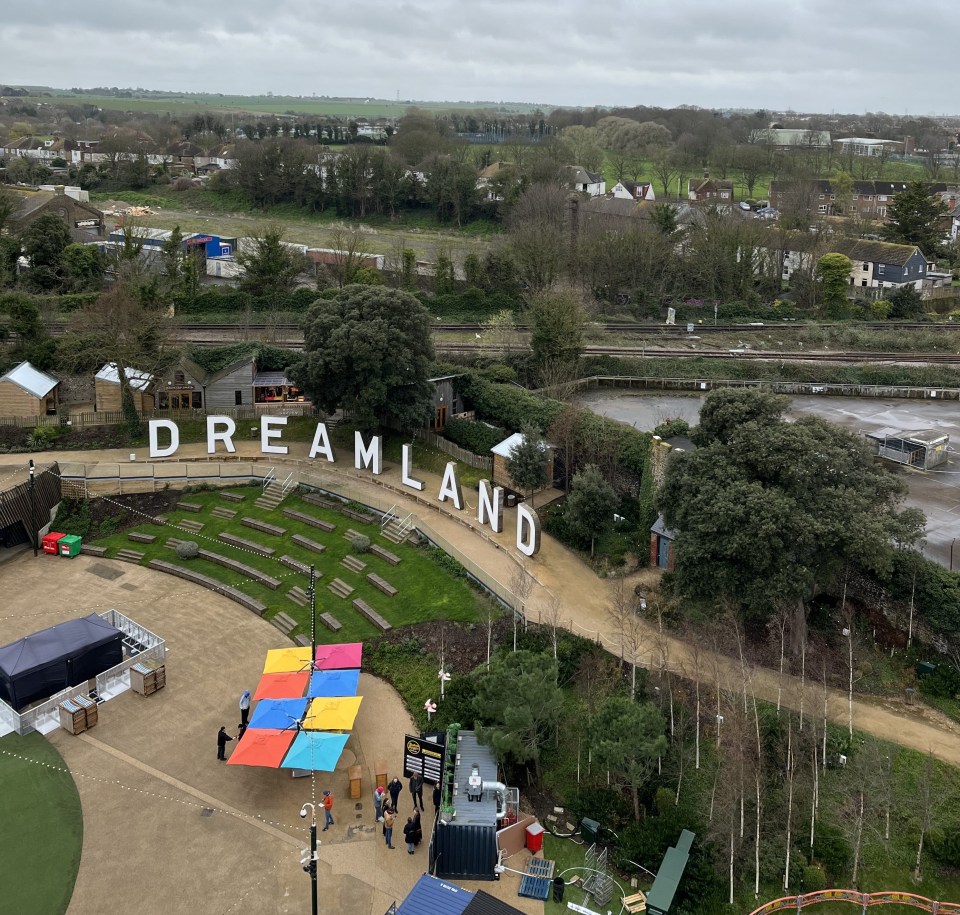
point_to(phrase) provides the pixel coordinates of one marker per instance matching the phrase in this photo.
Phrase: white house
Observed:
(591, 183)
(630, 190)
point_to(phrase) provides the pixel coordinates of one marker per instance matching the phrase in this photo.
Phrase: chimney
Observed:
(58, 189)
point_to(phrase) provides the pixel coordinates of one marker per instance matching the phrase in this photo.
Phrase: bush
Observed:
(671, 427)
(833, 851)
(189, 549)
(360, 543)
(42, 437)
(814, 879)
(476, 437)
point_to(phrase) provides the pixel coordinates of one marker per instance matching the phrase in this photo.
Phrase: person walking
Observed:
(222, 738)
(245, 707)
(408, 832)
(395, 787)
(389, 818)
(327, 810)
(416, 789)
(378, 798)
(437, 798)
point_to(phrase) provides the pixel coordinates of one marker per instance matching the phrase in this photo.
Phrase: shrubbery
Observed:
(360, 543)
(189, 549)
(476, 437)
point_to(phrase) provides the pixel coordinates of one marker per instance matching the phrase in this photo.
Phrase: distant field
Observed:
(254, 105)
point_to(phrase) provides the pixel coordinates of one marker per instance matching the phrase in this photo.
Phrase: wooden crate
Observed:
(90, 709)
(73, 717)
(146, 677)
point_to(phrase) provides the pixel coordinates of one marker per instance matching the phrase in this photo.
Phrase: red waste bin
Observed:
(535, 838)
(50, 542)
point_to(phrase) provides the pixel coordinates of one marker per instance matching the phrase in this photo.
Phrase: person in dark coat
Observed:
(408, 832)
(395, 787)
(416, 789)
(222, 738)
(241, 728)
(417, 834)
(437, 798)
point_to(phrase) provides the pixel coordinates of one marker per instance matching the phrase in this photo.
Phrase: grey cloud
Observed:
(808, 54)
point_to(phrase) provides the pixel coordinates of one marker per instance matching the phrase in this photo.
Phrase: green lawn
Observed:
(41, 828)
(425, 590)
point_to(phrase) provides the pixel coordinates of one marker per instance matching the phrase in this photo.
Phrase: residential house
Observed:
(492, 180)
(880, 264)
(84, 221)
(631, 190)
(107, 389)
(710, 190)
(868, 198)
(591, 183)
(26, 391)
(955, 224)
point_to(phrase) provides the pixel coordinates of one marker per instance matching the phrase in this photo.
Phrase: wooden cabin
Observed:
(107, 389)
(26, 391)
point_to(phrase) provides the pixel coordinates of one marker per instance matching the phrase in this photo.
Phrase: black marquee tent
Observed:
(48, 661)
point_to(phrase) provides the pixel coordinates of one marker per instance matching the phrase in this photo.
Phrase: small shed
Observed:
(107, 389)
(502, 453)
(447, 402)
(68, 654)
(26, 391)
(660, 897)
(661, 545)
(923, 449)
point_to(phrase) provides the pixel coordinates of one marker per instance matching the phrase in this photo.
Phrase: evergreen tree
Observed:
(914, 219)
(527, 464)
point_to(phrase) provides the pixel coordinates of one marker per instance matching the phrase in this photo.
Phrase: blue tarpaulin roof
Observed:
(431, 896)
(317, 751)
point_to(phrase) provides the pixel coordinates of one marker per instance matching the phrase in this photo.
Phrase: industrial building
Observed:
(923, 449)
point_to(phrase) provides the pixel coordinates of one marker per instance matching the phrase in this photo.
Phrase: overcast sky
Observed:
(812, 55)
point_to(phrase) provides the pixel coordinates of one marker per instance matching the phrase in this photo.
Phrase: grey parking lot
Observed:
(936, 492)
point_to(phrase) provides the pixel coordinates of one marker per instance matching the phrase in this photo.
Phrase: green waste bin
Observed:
(70, 545)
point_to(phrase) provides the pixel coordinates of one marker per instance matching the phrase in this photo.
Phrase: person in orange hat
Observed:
(327, 810)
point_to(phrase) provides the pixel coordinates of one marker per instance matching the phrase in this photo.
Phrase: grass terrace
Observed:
(425, 590)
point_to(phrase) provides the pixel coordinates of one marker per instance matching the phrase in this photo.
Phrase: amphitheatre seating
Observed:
(381, 584)
(353, 564)
(236, 566)
(190, 506)
(309, 519)
(128, 555)
(232, 496)
(384, 553)
(284, 623)
(340, 588)
(367, 611)
(299, 596)
(296, 565)
(302, 640)
(350, 534)
(200, 579)
(263, 526)
(314, 498)
(224, 514)
(362, 517)
(307, 543)
(88, 549)
(173, 543)
(331, 622)
(233, 540)
(137, 537)
(194, 526)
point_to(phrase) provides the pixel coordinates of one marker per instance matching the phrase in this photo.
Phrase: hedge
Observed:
(235, 301)
(476, 437)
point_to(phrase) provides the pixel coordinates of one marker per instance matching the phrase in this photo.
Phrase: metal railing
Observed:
(269, 479)
(289, 483)
(140, 643)
(388, 516)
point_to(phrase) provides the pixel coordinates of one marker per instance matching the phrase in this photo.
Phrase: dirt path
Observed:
(584, 599)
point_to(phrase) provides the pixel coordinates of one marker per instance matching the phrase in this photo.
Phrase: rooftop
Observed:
(470, 753)
(139, 380)
(31, 380)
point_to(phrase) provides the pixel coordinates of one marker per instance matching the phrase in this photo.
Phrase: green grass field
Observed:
(180, 105)
(425, 590)
(41, 828)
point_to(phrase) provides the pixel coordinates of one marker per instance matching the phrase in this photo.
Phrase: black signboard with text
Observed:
(424, 757)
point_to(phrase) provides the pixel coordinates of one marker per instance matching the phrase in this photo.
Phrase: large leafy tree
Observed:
(369, 350)
(833, 271)
(527, 464)
(914, 219)
(557, 316)
(518, 705)
(44, 242)
(590, 506)
(768, 512)
(626, 737)
(269, 265)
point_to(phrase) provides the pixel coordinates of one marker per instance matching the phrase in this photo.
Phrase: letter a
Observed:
(450, 487)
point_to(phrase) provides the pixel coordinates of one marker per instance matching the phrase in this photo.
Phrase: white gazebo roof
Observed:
(31, 380)
(505, 448)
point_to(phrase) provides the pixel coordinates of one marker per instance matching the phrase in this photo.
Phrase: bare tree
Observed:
(790, 770)
(348, 243)
(521, 586)
(551, 615)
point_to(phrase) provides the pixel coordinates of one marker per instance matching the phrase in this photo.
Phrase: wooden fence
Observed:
(476, 461)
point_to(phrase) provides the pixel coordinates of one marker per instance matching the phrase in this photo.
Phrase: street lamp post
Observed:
(33, 510)
(311, 866)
